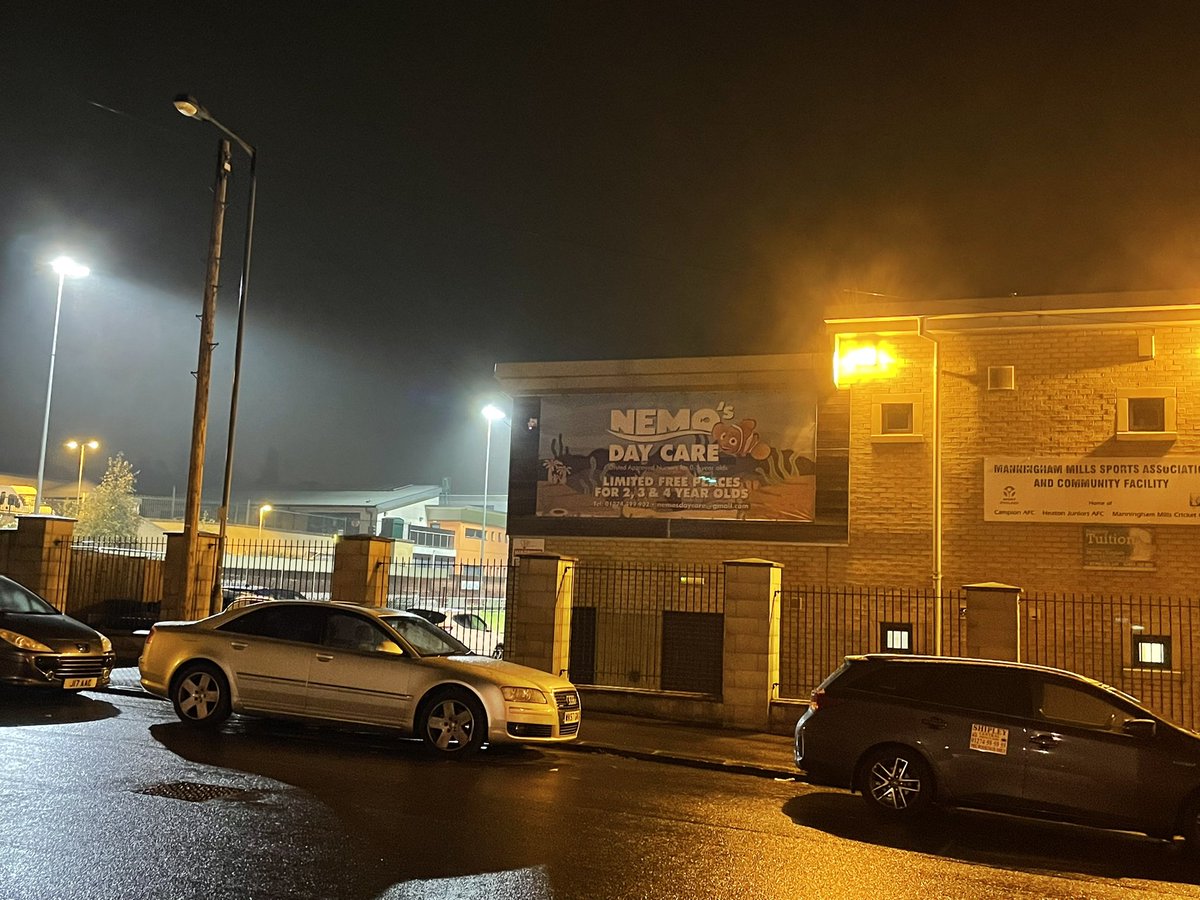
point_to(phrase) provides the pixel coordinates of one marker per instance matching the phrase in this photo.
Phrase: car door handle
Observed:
(936, 722)
(238, 645)
(324, 657)
(1044, 739)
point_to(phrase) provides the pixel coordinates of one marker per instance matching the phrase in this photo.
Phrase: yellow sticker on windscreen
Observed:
(989, 739)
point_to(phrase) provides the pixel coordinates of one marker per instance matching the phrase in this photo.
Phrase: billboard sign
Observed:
(745, 455)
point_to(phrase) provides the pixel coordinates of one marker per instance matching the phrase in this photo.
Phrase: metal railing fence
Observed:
(468, 600)
(651, 627)
(819, 626)
(1144, 646)
(281, 568)
(116, 584)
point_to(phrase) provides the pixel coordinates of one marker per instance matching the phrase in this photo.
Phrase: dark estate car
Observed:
(910, 731)
(42, 648)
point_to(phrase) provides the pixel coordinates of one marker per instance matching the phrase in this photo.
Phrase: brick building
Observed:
(1048, 443)
(1049, 380)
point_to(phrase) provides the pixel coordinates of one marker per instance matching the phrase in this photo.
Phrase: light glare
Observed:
(68, 268)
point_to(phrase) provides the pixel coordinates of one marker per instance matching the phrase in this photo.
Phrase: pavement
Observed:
(698, 746)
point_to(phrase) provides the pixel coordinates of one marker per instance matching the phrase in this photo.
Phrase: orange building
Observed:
(468, 526)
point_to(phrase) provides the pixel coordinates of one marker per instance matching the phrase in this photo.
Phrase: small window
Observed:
(895, 637)
(896, 418)
(1146, 414)
(1151, 651)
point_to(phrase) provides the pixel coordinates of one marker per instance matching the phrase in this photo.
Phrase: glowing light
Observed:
(860, 360)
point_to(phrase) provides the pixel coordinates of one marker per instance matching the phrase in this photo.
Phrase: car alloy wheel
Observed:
(897, 782)
(454, 724)
(201, 696)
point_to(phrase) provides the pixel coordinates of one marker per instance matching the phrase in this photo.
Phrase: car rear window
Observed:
(899, 680)
(284, 622)
(992, 689)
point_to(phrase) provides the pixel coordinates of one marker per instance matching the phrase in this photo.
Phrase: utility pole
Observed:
(196, 607)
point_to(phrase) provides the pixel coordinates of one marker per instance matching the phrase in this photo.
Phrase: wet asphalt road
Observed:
(107, 797)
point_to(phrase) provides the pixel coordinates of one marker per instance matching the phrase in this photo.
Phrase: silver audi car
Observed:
(346, 664)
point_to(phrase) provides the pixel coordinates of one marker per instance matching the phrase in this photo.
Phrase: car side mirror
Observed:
(1140, 728)
(389, 647)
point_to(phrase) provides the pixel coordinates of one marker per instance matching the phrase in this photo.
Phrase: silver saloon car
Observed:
(346, 664)
(42, 648)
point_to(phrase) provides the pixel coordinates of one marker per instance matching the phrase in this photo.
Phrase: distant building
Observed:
(473, 537)
(439, 525)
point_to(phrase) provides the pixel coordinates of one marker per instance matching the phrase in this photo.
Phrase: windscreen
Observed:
(16, 599)
(426, 638)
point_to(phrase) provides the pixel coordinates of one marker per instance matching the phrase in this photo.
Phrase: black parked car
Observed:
(42, 648)
(911, 731)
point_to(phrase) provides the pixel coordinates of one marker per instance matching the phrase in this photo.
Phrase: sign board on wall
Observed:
(1126, 490)
(744, 455)
(1118, 547)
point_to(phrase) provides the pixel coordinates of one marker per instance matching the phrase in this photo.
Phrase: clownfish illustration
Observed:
(741, 440)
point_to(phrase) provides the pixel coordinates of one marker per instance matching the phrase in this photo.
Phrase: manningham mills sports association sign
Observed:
(1125, 490)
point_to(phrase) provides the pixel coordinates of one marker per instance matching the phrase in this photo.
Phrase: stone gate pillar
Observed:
(39, 556)
(538, 629)
(178, 602)
(750, 668)
(362, 566)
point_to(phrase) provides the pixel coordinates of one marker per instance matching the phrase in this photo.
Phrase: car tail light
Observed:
(149, 638)
(819, 700)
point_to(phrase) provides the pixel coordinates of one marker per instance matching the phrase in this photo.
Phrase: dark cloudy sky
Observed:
(443, 186)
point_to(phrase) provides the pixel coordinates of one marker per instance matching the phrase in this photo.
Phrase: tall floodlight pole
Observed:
(191, 108)
(66, 268)
(82, 447)
(492, 414)
(191, 512)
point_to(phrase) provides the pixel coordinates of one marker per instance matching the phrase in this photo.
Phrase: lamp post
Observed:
(83, 447)
(191, 108)
(262, 514)
(493, 414)
(66, 268)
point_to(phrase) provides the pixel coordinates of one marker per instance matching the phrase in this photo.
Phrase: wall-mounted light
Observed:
(857, 359)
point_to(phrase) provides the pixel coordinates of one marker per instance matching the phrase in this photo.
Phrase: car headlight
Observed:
(23, 643)
(105, 644)
(523, 695)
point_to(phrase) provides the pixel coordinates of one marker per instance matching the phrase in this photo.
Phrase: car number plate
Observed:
(71, 684)
(570, 716)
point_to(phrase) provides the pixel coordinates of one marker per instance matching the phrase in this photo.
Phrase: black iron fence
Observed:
(116, 584)
(1145, 646)
(469, 601)
(657, 628)
(819, 626)
(280, 569)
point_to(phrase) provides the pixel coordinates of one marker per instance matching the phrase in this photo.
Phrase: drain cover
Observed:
(193, 792)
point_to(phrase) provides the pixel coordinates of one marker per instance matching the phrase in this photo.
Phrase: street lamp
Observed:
(66, 268)
(192, 108)
(83, 447)
(493, 414)
(262, 514)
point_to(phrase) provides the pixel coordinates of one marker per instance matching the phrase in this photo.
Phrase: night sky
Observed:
(445, 186)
